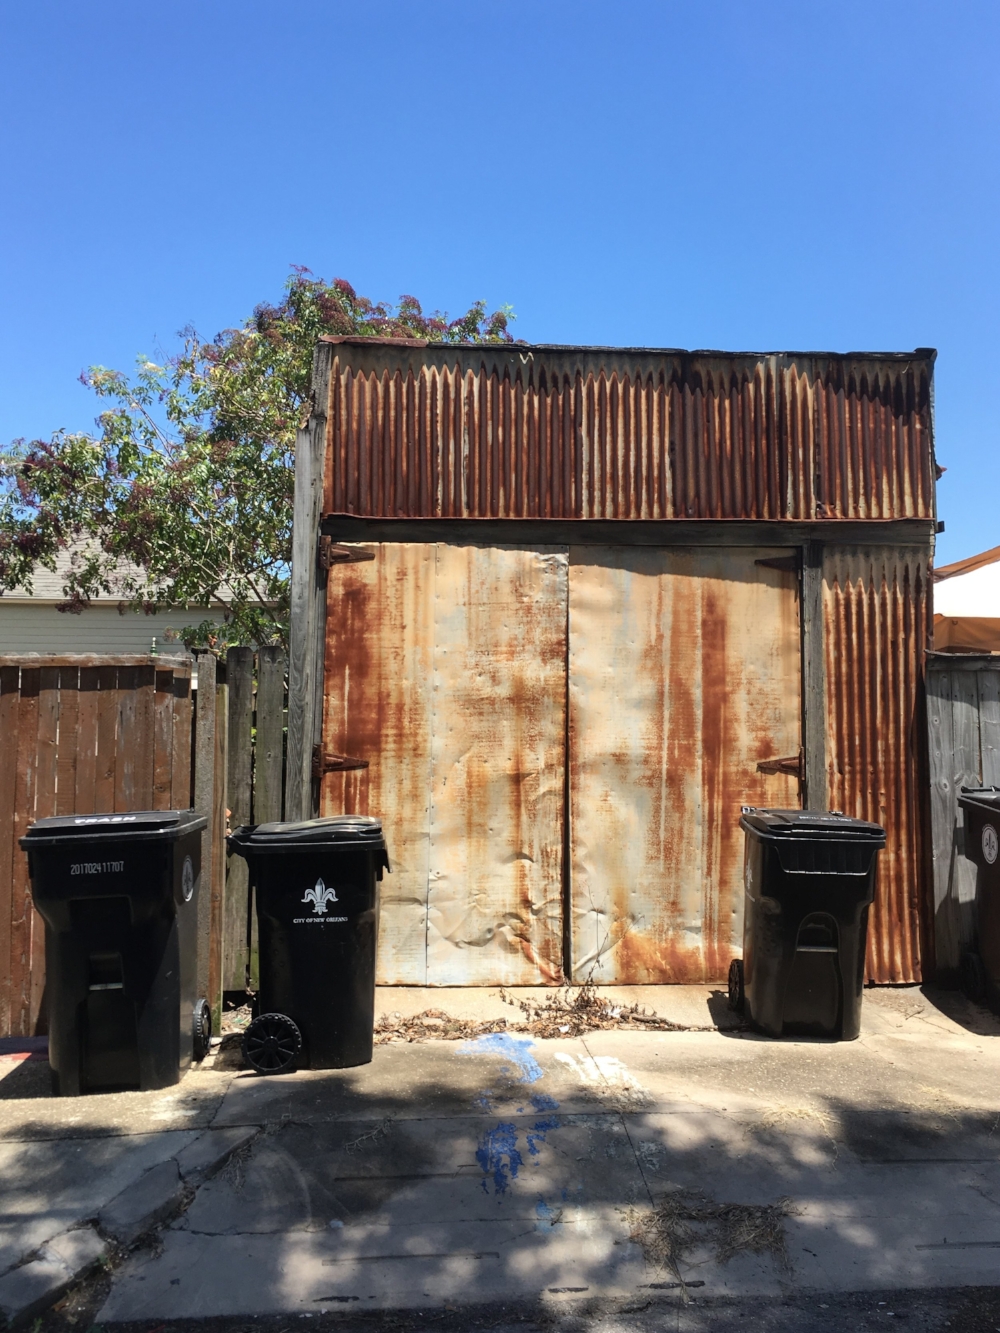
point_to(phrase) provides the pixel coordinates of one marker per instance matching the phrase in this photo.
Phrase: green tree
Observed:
(184, 495)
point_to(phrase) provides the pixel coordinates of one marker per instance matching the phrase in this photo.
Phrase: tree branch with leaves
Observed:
(183, 497)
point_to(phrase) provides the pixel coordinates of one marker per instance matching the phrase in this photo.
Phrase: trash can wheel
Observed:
(736, 995)
(201, 1030)
(271, 1044)
(973, 976)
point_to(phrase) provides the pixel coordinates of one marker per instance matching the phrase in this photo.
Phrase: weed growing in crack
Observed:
(371, 1136)
(234, 1173)
(681, 1220)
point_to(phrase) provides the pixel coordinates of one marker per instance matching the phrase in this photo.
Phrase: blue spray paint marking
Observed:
(495, 1145)
(542, 1103)
(516, 1050)
(537, 1133)
(547, 1217)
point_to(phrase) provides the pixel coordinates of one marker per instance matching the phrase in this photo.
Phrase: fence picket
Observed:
(163, 736)
(239, 676)
(125, 739)
(69, 740)
(269, 766)
(181, 772)
(144, 748)
(85, 797)
(107, 725)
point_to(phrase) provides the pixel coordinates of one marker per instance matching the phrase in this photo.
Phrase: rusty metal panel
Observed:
(877, 627)
(684, 673)
(377, 706)
(446, 669)
(496, 828)
(604, 433)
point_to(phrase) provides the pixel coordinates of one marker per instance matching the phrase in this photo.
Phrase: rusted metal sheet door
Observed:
(446, 670)
(684, 674)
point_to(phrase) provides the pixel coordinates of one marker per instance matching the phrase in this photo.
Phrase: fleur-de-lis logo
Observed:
(321, 897)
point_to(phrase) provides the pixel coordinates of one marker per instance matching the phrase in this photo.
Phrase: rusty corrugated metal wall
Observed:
(876, 605)
(446, 669)
(540, 432)
(420, 432)
(684, 671)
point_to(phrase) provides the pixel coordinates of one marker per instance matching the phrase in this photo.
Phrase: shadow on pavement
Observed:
(954, 1004)
(432, 1176)
(30, 1077)
(506, 1169)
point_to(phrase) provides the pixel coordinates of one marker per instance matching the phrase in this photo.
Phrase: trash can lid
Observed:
(147, 825)
(819, 824)
(986, 797)
(339, 829)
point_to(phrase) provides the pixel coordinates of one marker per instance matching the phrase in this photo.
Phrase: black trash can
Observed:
(119, 897)
(316, 885)
(809, 879)
(981, 965)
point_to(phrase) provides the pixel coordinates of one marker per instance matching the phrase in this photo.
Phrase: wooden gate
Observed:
(254, 775)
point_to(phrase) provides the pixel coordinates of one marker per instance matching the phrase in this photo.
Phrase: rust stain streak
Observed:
(684, 671)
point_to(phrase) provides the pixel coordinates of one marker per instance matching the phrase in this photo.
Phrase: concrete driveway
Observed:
(621, 1165)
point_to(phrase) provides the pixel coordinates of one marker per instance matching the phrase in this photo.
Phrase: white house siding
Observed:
(976, 593)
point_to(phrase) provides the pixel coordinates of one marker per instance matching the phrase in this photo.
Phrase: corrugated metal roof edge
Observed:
(919, 353)
(968, 565)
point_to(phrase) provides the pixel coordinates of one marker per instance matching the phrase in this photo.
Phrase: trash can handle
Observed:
(249, 930)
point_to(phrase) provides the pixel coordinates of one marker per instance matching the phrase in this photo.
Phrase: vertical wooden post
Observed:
(204, 804)
(269, 756)
(269, 747)
(308, 599)
(219, 806)
(239, 678)
(816, 796)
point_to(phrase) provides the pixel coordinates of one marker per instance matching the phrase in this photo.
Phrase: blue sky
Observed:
(737, 175)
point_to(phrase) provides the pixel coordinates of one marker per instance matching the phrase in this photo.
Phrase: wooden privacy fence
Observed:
(963, 720)
(80, 735)
(255, 770)
(88, 734)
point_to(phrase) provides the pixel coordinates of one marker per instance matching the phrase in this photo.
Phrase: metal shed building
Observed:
(574, 606)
